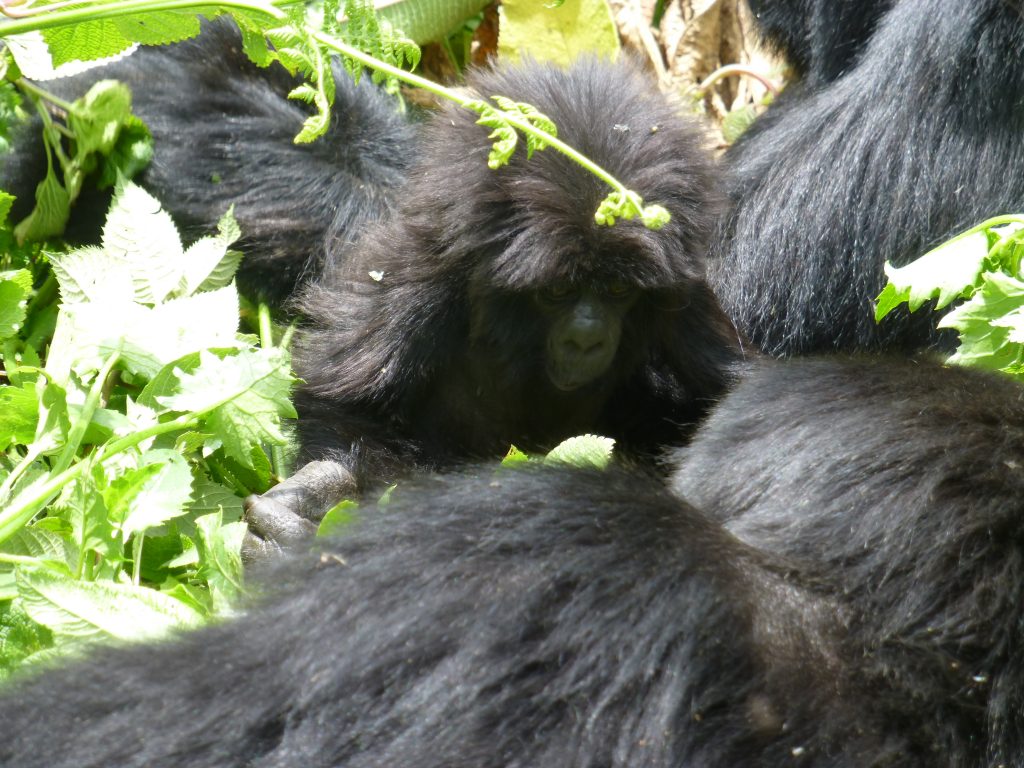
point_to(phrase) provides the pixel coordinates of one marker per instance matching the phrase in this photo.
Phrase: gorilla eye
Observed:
(618, 289)
(561, 292)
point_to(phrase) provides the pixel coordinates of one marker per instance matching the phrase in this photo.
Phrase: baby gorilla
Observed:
(491, 309)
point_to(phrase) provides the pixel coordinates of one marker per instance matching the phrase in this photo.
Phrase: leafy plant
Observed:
(982, 269)
(127, 451)
(93, 30)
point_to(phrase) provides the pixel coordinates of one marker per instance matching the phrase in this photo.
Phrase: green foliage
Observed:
(581, 451)
(982, 269)
(628, 205)
(556, 31)
(127, 449)
(504, 122)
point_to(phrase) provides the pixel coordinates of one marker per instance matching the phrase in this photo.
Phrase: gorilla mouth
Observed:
(569, 378)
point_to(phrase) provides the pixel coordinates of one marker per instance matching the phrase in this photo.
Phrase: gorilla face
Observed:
(584, 331)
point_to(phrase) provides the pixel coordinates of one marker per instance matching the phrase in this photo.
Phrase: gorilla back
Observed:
(900, 483)
(904, 150)
(527, 619)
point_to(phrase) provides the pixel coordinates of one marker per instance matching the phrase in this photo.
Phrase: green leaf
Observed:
(987, 323)
(97, 117)
(514, 457)
(208, 264)
(6, 201)
(338, 517)
(944, 274)
(20, 637)
(19, 414)
(81, 609)
(154, 493)
(220, 559)
(582, 451)
(159, 28)
(141, 232)
(15, 287)
(85, 41)
(248, 394)
(51, 212)
(534, 30)
(92, 274)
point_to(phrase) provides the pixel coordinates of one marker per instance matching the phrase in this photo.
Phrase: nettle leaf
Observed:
(988, 323)
(19, 414)
(147, 337)
(944, 274)
(85, 41)
(159, 28)
(210, 497)
(141, 232)
(15, 287)
(582, 451)
(156, 492)
(91, 274)
(338, 518)
(207, 263)
(98, 116)
(83, 609)
(248, 393)
(220, 558)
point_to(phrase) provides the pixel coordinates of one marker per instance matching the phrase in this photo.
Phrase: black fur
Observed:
(842, 603)
(900, 485)
(907, 148)
(427, 343)
(223, 131)
(820, 38)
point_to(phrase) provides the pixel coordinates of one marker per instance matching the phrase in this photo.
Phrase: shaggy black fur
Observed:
(820, 38)
(437, 338)
(910, 146)
(842, 603)
(223, 131)
(900, 485)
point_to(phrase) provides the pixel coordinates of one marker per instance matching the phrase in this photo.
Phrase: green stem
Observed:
(92, 401)
(39, 93)
(128, 7)
(267, 342)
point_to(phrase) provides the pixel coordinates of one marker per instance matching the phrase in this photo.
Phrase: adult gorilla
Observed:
(495, 311)
(223, 131)
(843, 602)
(914, 142)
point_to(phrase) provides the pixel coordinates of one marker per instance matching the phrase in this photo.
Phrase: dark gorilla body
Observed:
(841, 603)
(223, 131)
(908, 146)
(500, 313)
(821, 39)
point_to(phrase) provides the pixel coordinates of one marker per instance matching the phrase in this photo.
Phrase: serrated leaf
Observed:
(983, 340)
(19, 414)
(92, 274)
(248, 393)
(14, 289)
(149, 496)
(141, 232)
(148, 337)
(85, 41)
(582, 451)
(944, 274)
(83, 609)
(514, 457)
(220, 558)
(159, 28)
(211, 497)
(207, 263)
